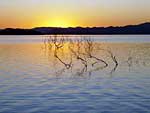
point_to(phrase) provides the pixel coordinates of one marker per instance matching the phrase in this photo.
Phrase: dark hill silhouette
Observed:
(129, 29)
(11, 31)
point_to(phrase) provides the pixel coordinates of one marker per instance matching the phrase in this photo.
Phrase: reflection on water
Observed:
(84, 56)
(62, 75)
(79, 56)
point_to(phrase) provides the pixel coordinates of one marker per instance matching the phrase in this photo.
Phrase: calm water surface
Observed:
(36, 78)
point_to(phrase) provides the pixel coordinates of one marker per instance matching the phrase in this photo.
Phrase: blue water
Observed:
(29, 83)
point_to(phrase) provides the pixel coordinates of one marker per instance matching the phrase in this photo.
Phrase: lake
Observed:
(72, 74)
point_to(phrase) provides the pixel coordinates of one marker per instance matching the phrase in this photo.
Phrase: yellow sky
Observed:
(72, 13)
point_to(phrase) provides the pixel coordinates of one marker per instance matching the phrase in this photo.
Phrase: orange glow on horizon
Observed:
(72, 13)
(60, 22)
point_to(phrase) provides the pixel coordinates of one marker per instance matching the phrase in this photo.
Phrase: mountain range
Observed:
(143, 28)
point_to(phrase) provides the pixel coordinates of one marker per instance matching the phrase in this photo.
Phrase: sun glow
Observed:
(72, 13)
(58, 22)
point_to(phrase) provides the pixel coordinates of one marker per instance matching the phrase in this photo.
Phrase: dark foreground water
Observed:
(37, 78)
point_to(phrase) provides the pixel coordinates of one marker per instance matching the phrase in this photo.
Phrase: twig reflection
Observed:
(81, 54)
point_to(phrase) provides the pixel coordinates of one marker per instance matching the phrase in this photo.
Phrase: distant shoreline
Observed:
(141, 29)
(70, 34)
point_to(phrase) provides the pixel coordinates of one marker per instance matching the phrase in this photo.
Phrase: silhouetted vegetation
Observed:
(81, 52)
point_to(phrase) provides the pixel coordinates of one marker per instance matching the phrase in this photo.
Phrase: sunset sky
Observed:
(72, 13)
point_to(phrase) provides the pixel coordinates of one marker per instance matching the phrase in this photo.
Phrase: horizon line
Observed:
(148, 22)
